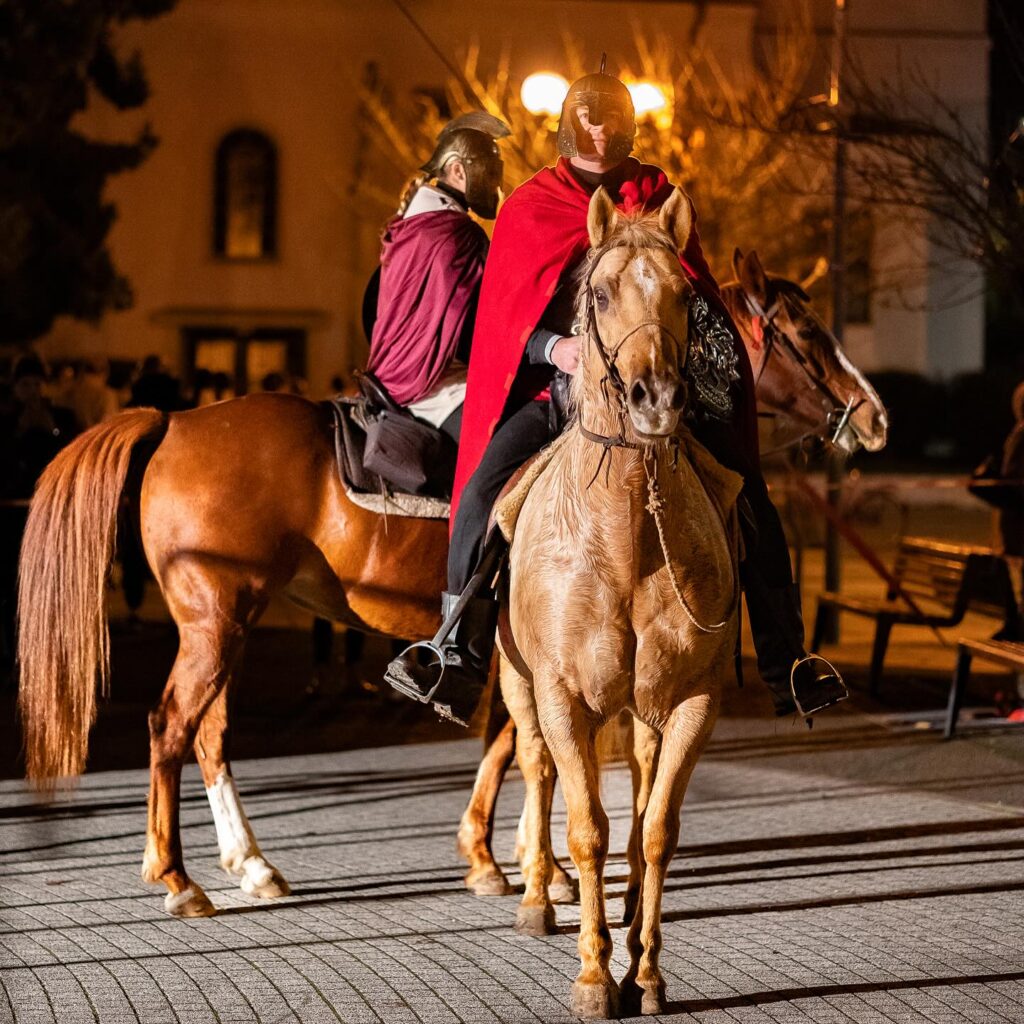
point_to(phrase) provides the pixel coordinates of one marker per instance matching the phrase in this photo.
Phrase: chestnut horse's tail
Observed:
(63, 640)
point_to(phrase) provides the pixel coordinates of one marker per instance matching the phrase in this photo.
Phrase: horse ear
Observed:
(676, 217)
(602, 217)
(753, 278)
(737, 261)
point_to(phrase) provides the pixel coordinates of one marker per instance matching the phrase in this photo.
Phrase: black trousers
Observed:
(523, 434)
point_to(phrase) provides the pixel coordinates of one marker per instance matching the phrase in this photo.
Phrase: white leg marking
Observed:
(239, 852)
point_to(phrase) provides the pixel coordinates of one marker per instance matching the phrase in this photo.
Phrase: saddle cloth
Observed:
(363, 488)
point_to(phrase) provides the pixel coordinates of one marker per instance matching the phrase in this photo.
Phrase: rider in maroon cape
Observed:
(432, 262)
(524, 346)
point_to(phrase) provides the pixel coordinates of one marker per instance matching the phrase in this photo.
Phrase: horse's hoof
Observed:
(643, 999)
(535, 920)
(488, 882)
(632, 901)
(190, 902)
(595, 1001)
(563, 889)
(263, 881)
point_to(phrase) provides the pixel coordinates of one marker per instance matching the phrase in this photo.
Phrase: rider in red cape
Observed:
(524, 332)
(541, 235)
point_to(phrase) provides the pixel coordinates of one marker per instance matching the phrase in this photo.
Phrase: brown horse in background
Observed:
(239, 502)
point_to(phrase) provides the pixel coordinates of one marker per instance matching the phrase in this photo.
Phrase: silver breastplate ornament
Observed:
(711, 362)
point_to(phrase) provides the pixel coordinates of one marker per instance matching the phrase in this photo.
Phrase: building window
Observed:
(223, 362)
(245, 197)
(860, 237)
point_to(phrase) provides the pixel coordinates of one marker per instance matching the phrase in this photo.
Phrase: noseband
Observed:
(838, 413)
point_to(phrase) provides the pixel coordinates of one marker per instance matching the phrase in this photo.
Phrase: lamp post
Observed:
(837, 280)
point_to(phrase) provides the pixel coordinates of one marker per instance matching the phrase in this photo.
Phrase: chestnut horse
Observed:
(239, 501)
(806, 388)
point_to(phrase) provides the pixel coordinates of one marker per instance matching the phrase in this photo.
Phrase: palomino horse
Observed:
(623, 590)
(806, 389)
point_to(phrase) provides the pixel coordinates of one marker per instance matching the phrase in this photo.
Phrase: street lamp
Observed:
(543, 93)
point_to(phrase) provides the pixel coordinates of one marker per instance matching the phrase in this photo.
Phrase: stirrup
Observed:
(807, 712)
(409, 689)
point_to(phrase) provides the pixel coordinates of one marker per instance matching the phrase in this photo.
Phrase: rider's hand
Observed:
(565, 354)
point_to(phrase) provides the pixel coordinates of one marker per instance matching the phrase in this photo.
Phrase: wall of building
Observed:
(293, 71)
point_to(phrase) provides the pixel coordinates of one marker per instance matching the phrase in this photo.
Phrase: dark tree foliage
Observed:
(55, 56)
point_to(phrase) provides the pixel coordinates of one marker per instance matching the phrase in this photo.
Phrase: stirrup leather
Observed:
(808, 711)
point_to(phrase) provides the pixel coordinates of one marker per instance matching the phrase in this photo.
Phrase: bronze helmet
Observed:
(471, 139)
(598, 92)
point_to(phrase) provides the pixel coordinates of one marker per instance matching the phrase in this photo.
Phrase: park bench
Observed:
(941, 580)
(1009, 653)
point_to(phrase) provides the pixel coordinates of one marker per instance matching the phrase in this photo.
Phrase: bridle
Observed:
(612, 381)
(838, 413)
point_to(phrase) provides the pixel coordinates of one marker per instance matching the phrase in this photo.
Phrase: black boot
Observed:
(455, 677)
(798, 682)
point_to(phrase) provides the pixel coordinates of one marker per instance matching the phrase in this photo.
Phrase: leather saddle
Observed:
(382, 448)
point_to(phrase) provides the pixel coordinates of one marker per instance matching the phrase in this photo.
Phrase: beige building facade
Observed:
(217, 289)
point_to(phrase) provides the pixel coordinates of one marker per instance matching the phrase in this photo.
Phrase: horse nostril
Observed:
(637, 393)
(679, 396)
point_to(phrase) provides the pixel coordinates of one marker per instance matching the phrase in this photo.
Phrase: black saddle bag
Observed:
(405, 451)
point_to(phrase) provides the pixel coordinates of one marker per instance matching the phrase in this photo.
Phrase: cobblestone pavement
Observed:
(863, 872)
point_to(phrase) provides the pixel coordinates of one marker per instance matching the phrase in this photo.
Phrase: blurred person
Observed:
(272, 382)
(155, 388)
(90, 397)
(431, 266)
(32, 430)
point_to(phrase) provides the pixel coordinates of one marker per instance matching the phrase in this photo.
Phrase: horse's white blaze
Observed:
(645, 276)
(234, 834)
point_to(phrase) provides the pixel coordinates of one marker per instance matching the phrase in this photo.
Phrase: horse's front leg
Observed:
(536, 915)
(570, 730)
(643, 761)
(687, 731)
(240, 854)
(476, 829)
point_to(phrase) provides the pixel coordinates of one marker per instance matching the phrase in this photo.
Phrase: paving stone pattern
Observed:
(860, 873)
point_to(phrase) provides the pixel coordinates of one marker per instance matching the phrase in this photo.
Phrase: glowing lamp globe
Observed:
(543, 93)
(647, 98)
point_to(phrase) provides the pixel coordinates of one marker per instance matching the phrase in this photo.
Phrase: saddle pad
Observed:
(508, 506)
(412, 505)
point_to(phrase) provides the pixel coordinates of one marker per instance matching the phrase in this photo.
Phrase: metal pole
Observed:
(837, 279)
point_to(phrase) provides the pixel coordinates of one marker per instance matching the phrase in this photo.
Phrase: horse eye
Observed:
(601, 298)
(807, 333)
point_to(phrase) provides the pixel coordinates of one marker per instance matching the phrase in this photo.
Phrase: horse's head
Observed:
(633, 304)
(801, 373)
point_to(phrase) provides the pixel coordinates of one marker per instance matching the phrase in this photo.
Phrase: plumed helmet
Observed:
(599, 93)
(467, 138)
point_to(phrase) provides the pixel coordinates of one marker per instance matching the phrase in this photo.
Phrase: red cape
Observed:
(539, 237)
(431, 265)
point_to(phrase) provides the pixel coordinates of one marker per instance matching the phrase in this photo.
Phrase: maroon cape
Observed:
(431, 264)
(540, 237)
